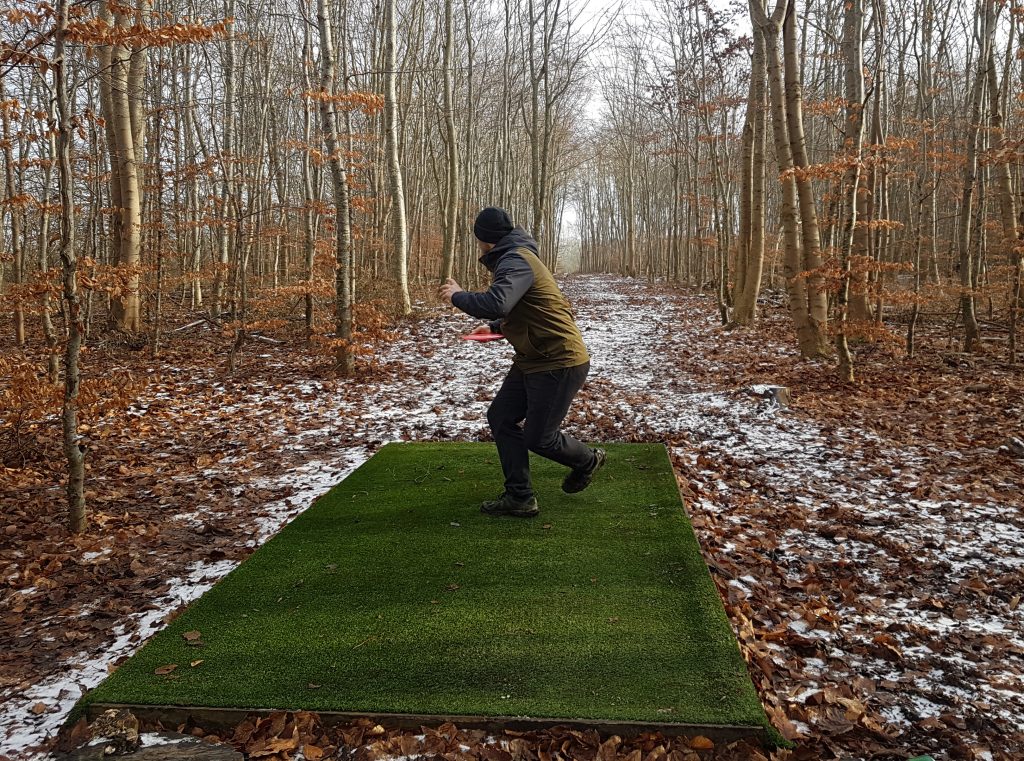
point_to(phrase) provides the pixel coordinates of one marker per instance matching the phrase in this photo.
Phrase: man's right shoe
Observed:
(578, 480)
(506, 505)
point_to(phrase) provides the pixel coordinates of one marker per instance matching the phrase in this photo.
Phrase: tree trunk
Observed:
(853, 141)
(127, 309)
(751, 244)
(49, 330)
(808, 334)
(1000, 169)
(73, 449)
(227, 162)
(972, 332)
(17, 246)
(452, 201)
(339, 185)
(817, 298)
(309, 230)
(398, 223)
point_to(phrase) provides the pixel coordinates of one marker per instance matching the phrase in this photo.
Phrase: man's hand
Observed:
(481, 329)
(449, 289)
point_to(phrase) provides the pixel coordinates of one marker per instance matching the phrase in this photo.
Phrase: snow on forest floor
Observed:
(865, 592)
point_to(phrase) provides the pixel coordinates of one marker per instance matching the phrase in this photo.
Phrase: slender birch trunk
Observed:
(398, 221)
(308, 229)
(344, 357)
(452, 200)
(985, 29)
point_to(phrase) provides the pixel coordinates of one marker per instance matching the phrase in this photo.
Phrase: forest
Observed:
(222, 228)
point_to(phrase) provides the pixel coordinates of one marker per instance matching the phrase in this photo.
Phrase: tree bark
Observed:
(398, 221)
(453, 187)
(808, 333)
(126, 308)
(972, 332)
(308, 227)
(751, 242)
(817, 298)
(74, 451)
(1000, 168)
(344, 357)
(17, 244)
(853, 141)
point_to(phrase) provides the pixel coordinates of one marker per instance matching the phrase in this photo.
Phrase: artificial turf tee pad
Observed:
(394, 594)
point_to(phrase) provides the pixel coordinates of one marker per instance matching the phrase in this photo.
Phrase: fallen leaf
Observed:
(700, 742)
(39, 708)
(164, 670)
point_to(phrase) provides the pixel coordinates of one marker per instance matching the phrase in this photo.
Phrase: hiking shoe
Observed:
(578, 480)
(506, 505)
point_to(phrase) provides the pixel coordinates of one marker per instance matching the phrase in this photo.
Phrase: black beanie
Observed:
(492, 224)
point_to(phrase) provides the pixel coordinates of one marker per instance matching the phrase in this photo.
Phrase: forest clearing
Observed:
(790, 236)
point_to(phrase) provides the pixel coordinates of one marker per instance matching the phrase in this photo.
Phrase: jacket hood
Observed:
(518, 238)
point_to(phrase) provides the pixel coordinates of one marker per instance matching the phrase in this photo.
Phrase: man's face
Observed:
(483, 246)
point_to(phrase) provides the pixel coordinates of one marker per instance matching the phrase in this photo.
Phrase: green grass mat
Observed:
(394, 594)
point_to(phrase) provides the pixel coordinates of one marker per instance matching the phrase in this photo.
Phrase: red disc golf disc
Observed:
(483, 337)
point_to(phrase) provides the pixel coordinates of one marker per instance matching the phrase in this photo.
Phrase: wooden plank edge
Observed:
(229, 718)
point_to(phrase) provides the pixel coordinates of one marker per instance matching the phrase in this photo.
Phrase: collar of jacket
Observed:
(518, 238)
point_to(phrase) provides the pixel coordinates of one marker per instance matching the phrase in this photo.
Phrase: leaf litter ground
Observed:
(867, 543)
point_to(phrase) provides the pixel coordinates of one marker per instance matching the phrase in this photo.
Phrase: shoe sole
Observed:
(510, 514)
(527, 513)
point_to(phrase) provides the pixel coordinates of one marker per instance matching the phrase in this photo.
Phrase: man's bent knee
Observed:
(499, 420)
(542, 444)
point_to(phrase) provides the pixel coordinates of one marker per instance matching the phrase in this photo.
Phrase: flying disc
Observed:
(483, 337)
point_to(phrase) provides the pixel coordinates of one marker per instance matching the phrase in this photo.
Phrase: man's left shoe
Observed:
(506, 505)
(578, 480)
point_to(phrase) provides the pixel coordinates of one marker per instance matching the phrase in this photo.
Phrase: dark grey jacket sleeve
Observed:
(512, 278)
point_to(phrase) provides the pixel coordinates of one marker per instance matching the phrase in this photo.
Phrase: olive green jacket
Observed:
(525, 304)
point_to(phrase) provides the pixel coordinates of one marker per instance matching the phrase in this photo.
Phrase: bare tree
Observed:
(398, 219)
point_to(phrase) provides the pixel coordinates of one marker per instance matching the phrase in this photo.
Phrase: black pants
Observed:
(540, 401)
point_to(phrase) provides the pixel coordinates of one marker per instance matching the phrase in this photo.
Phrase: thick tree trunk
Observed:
(127, 307)
(817, 299)
(809, 335)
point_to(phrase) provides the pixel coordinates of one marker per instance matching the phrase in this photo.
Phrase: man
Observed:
(525, 305)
